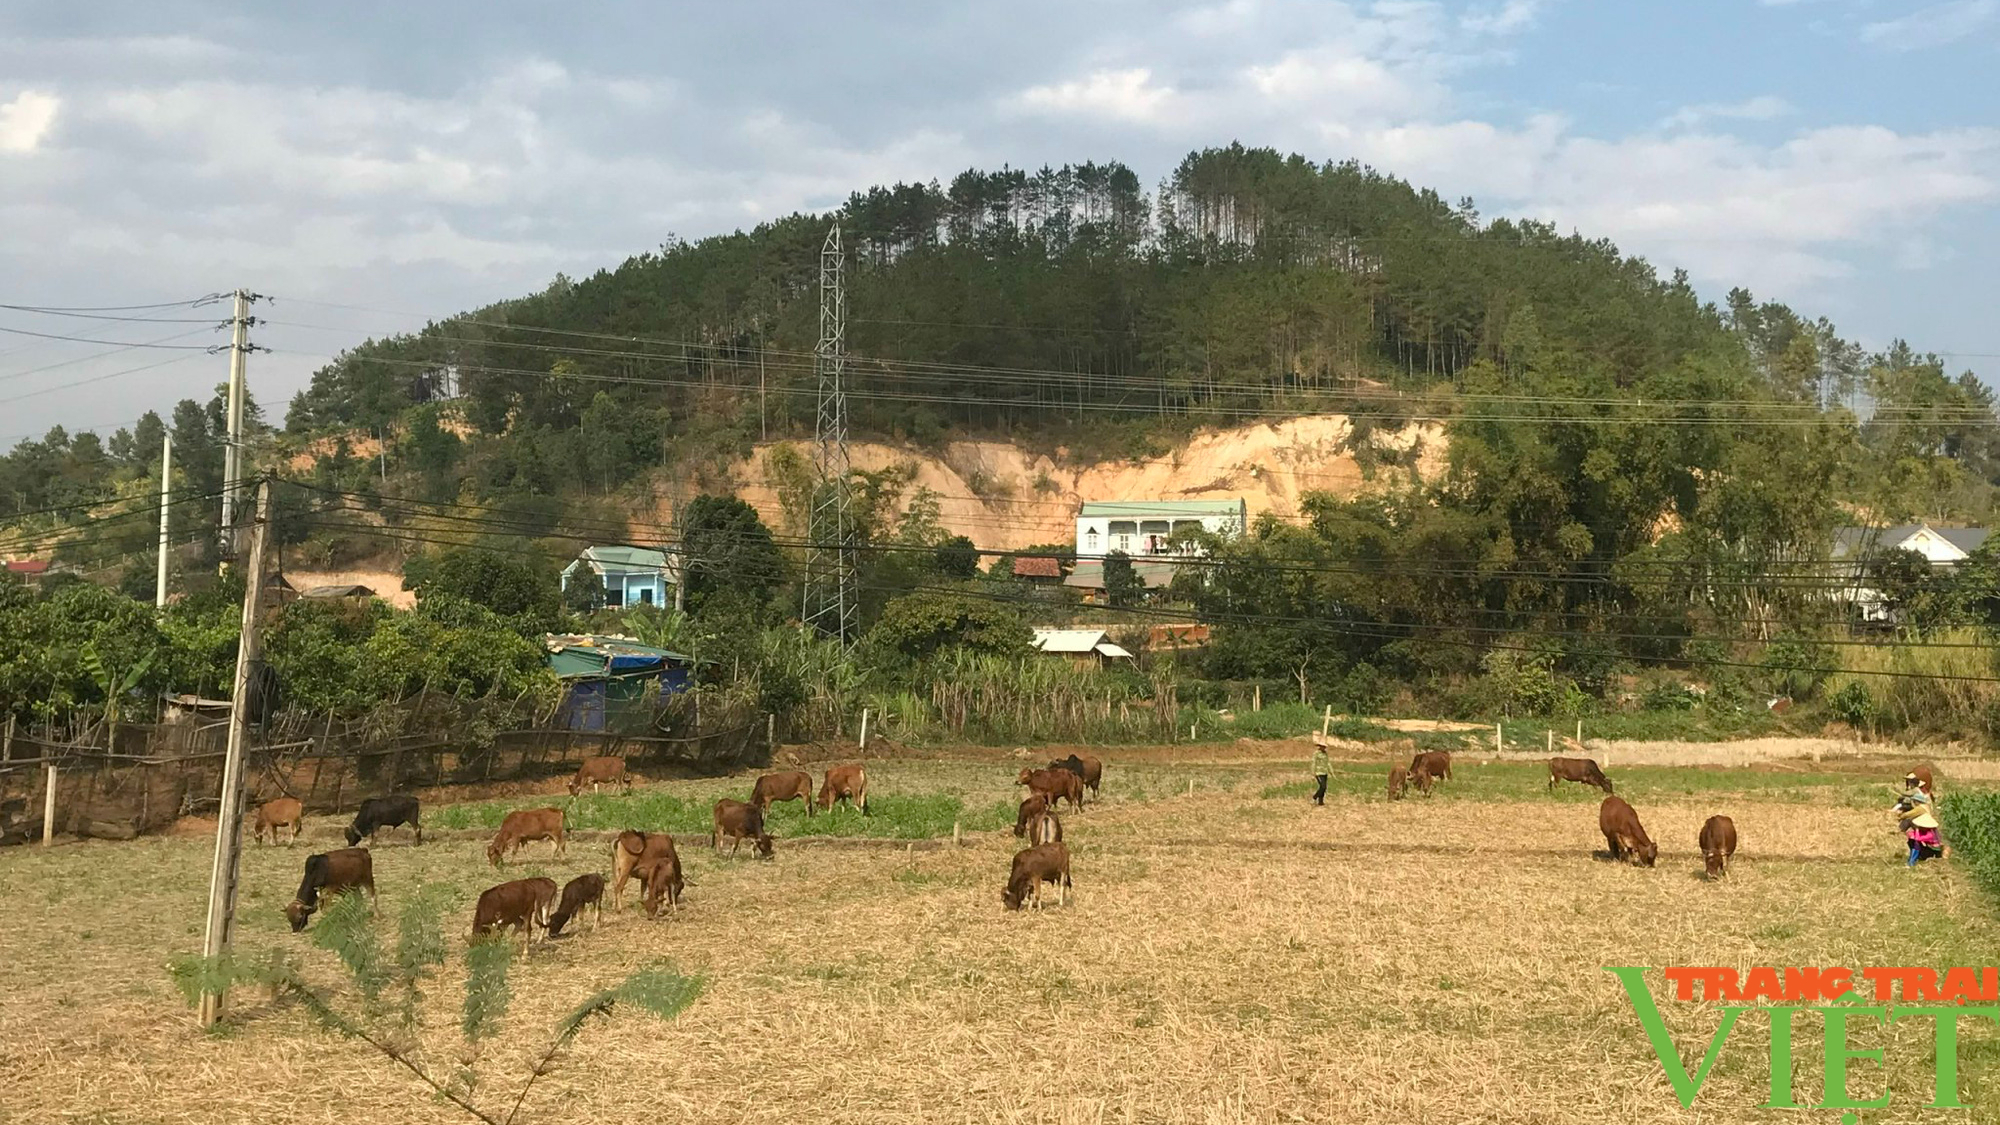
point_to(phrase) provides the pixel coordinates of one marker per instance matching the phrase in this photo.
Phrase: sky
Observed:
(371, 166)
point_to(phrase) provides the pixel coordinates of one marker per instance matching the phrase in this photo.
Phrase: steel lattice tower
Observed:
(832, 574)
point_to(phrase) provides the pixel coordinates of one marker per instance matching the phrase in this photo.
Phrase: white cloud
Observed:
(1764, 107)
(1505, 19)
(1121, 95)
(1934, 26)
(25, 121)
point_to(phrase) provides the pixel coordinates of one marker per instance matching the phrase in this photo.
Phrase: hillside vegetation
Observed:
(1634, 490)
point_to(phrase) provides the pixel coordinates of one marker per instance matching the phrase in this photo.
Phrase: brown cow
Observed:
(1623, 833)
(330, 873)
(1032, 806)
(739, 821)
(1421, 777)
(1090, 769)
(665, 882)
(523, 825)
(1435, 762)
(283, 812)
(585, 892)
(599, 771)
(1718, 843)
(1045, 829)
(789, 785)
(1053, 785)
(1043, 863)
(845, 783)
(522, 905)
(640, 854)
(1582, 770)
(1398, 778)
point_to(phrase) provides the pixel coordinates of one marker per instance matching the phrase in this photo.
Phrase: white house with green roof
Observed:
(631, 575)
(1146, 530)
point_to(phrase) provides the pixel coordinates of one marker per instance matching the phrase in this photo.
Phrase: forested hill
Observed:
(1251, 282)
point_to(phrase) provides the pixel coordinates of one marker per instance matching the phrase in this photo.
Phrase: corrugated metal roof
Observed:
(627, 557)
(1108, 649)
(1068, 640)
(1163, 507)
(589, 654)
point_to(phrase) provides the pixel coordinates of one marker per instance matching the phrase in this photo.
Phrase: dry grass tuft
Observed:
(1225, 959)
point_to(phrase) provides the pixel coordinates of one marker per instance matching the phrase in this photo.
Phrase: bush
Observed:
(1972, 825)
(1669, 696)
(1853, 705)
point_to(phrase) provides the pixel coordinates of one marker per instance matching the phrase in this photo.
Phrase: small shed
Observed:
(607, 675)
(1038, 568)
(1089, 648)
(350, 590)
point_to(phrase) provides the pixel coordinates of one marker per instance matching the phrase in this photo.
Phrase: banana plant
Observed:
(115, 685)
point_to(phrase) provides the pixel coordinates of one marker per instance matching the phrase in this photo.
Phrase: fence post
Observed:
(49, 808)
(864, 728)
(1256, 697)
(1326, 721)
(1579, 732)
(956, 838)
(1499, 739)
(7, 743)
(771, 733)
(1550, 740)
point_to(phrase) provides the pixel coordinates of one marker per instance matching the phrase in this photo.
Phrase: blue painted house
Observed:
(631, 575)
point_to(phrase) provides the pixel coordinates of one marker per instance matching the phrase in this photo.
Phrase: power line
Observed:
(120, 344)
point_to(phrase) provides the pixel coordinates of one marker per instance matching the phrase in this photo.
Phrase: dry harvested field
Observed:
(1231, 956)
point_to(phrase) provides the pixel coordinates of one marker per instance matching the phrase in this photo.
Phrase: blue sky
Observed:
(414, 160)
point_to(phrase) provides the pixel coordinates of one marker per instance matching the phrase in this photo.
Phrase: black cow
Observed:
(377, 813)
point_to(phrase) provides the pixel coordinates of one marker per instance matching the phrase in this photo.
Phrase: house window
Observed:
(1122, 532)
(646, 596)
(1090, 541)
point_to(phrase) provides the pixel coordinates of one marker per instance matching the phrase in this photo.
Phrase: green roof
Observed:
(592, 655)
(1163, 507)
(627, 558)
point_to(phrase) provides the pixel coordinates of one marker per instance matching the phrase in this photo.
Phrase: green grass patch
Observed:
(1529, 781)
(895, 816)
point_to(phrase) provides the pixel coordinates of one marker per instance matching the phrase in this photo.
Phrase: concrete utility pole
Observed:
(229, 814)
(166, 472)
(232, 454)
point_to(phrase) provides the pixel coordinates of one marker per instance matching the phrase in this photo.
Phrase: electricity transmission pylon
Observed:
(832, 572)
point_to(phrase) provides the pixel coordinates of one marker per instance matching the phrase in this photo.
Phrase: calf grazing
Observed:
(1398, 778)
(1053, 785)
(377, 813)
(1582, 770)
(284, 812)
(1437, 763)
(1622, 832)
(1032, 806)
(522, 905)
(330, 873)
(664, 883)
(790, 785)
(1043, 863)
(739, 821)
(845, 783)
(599, 771)
(1421, 777)
(1718, 843)
(1045, 829)
(640, 854)
(1090, 770)
(585, 892)
(523, 825)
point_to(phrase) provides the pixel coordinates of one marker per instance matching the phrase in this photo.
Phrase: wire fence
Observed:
(133, 779)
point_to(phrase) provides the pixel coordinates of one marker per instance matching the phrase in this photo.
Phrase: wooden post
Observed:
(864, 728)
(1190, 787)
(771, 733)
(1326, 721)
(7, 742)
(1499, 739)
(1579, 732)
(957, 837)
(1550, 740)
(229, 812)
(49, 807)
(1256, 697)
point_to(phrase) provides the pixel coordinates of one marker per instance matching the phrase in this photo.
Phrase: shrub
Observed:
(1853, 705)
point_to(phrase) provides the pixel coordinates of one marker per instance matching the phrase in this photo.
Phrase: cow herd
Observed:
(536, 905)
(1624, 836)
